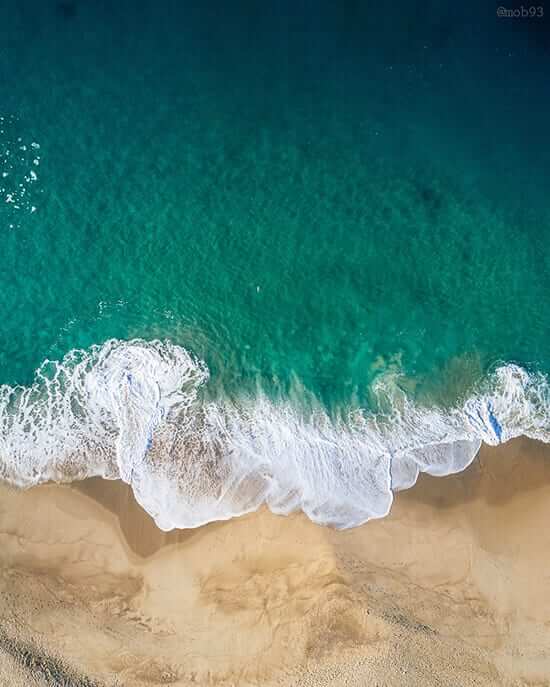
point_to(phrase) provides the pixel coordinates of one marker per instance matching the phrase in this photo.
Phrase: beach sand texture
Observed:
(453, 588)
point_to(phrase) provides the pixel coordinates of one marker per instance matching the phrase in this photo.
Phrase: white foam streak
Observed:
(133, 410)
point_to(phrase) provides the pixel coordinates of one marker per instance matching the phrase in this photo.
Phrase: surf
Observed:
(138, 411)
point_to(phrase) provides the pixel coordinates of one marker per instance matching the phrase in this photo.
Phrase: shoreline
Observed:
(450, 588)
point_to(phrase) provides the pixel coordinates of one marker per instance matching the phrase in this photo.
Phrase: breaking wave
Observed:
(134, 410)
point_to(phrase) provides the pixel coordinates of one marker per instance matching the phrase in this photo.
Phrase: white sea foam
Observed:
(134, 410)
(18, 180)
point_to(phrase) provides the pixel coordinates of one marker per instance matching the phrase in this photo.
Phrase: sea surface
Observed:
(291, 253)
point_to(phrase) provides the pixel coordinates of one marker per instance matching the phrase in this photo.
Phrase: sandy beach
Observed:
(451, 589)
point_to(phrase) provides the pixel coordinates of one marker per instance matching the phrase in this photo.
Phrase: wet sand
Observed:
(453, 588)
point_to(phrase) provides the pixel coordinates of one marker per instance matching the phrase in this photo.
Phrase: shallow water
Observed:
(288, 253)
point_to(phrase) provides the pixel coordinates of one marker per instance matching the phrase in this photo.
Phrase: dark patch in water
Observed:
(535, 26)
(66, 9)
(431, 199)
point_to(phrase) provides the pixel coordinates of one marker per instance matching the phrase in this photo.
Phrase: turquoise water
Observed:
(288, 253)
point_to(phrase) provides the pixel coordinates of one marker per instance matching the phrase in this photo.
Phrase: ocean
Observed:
(289, 253)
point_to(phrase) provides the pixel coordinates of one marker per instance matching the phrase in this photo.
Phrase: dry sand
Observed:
(453, 588)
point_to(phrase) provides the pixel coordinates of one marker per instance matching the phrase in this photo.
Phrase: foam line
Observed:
(133, 410)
